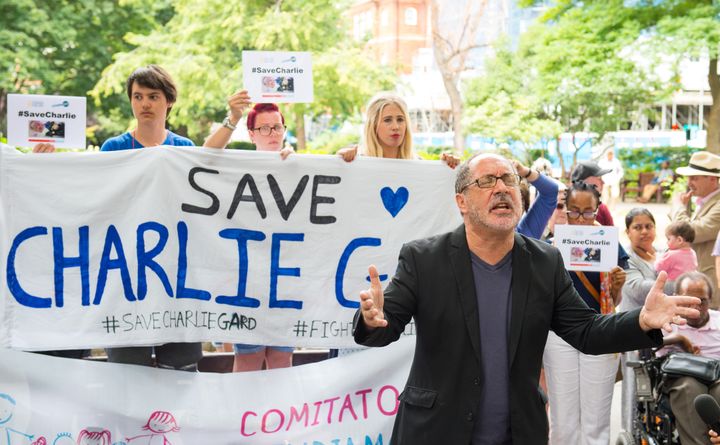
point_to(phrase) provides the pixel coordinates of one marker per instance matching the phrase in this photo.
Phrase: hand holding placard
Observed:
(238, 103)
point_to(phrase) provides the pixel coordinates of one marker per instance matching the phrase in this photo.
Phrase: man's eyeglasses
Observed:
(265, 130)
(574, 214)
(489, 181)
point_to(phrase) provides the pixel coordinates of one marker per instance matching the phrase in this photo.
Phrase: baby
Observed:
(679, 258)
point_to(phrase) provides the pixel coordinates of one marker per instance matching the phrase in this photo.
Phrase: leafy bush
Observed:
(640, 160)
(433, 153)
(329, 142)
(428, 155)
(241, 145)
(679, 185)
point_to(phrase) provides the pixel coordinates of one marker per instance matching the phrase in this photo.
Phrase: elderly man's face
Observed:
(497, 208)
(697, 289)
(702, 186)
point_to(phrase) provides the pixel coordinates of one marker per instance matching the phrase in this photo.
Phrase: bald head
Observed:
(464, 172)
(696, 284)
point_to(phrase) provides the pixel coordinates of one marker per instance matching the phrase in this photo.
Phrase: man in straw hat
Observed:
(702, 175)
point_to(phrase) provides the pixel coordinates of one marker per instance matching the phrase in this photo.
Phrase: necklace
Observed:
(135, 139)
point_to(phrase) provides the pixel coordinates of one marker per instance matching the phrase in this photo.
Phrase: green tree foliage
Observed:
(500, 106)
(574, 73)
(201, 46)
(586, 76)
(61, 47)
(668, 30)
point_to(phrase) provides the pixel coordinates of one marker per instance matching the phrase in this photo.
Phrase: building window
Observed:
(384, 18)
(357, 30)
(362, 25)
(411, 16)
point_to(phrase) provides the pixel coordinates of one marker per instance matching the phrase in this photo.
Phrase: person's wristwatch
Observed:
(227, 124)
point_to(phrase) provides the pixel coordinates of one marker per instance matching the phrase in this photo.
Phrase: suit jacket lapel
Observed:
(705, 208)
(462, 268)
(521, 272)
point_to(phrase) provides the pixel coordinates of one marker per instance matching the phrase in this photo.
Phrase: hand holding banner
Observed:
(178, 244)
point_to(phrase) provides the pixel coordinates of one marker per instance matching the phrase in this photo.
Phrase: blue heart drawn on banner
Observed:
(394, 201)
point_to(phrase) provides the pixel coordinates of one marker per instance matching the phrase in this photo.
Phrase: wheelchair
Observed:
(652, 420)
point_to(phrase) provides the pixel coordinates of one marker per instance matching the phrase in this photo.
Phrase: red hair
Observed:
(262, 108)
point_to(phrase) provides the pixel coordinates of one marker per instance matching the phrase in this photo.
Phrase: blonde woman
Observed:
(387, 132)
(387, 135)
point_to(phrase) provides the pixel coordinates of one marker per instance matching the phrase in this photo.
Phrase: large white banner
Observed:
(171, 244)
(349, 400)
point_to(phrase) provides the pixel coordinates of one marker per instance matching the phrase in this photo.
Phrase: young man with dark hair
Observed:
(152, 94)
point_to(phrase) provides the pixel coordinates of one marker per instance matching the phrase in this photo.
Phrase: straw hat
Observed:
(702, 163)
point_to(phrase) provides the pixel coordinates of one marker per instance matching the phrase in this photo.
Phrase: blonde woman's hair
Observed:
(371, 144)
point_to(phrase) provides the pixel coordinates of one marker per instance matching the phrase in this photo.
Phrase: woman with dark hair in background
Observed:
(580, 386)
(641, 275)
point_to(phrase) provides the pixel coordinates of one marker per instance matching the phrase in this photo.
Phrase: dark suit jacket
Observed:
(434, 284)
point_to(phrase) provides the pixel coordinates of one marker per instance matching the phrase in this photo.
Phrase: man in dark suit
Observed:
(483, 299)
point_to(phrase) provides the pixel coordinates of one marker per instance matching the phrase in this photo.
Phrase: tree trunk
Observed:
(3, 112)
(576, 149)
(713, 118)
(563, 173)
(299, 128)
(450, 53)
(456, 105)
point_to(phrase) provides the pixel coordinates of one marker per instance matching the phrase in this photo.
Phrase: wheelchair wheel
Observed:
(625, 438)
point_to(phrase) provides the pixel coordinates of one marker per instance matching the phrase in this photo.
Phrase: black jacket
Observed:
(434, 284)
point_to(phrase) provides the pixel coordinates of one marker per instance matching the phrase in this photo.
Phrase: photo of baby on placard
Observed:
(46, 129)
(585, 254)
(278, 84)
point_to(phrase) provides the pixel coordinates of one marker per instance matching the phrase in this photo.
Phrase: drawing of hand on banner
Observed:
(184, 245)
